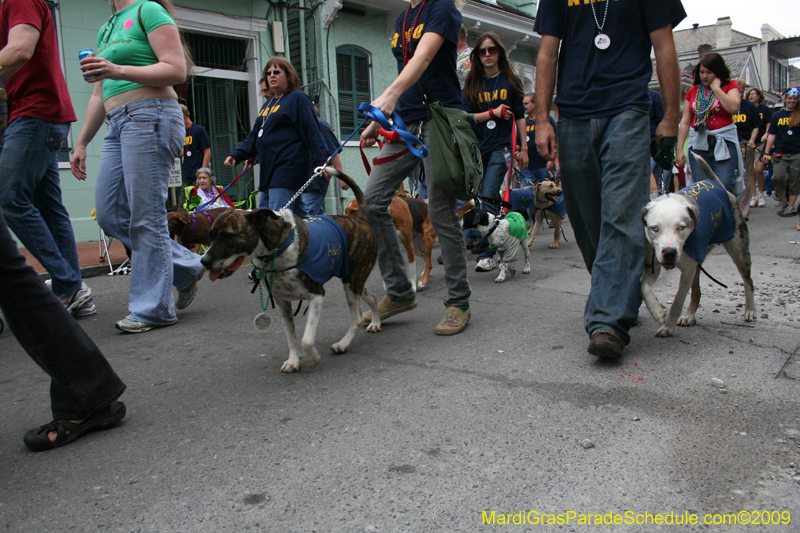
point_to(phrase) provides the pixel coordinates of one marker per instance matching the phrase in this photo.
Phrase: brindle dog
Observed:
(237, 235)
(192, 227)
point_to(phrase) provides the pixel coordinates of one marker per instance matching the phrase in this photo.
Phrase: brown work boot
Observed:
(389, 307)
(454, 321)
(606, 345)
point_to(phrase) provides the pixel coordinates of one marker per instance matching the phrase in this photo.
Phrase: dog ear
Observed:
(258, 217)
(691, 207)
(645, 210)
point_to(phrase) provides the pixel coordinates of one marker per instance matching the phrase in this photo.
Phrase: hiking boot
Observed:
(782, 206)
(128, 325)
(389, 307)
(484, 265)
(186, 295)
(790, 211)
(762, 201)
(77, 299)
(88, 308)
(454, 321)
(606, 345)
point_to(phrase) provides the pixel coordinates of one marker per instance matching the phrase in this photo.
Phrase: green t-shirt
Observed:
(122, 41)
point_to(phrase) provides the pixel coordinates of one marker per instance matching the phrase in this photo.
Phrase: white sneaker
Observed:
(485, 265)
(754, 201)
(78, 299)
(761, 200)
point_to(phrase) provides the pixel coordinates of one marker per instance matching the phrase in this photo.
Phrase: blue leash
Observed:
(397, 125)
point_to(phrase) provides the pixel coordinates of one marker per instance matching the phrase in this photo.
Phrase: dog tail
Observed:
(363, 210)
(707, 170)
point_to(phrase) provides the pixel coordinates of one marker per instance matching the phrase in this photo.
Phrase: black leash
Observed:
(703, 270)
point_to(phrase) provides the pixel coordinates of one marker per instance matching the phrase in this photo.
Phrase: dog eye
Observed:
(654, 229)
(681, 227)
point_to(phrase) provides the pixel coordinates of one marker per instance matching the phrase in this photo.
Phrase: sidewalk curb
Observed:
(91, 271)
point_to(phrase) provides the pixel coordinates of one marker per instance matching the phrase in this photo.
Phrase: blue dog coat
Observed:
(715, 223)
(326, 255)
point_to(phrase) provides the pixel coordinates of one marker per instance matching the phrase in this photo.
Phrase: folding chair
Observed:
(104, 244)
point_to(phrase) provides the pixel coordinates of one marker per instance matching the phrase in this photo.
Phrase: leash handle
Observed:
(397, 126)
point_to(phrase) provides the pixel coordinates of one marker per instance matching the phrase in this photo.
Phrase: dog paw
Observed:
(420, 286)
(338, 348)
(553, 246)
(499, 279)
(750, 316)
(310, 356)
(687, 321)
(664, 331)
(526, 270)
(290, 366)
(373, 328)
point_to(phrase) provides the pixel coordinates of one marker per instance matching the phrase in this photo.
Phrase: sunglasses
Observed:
(492, 50)
(107, 30)
(274, 72)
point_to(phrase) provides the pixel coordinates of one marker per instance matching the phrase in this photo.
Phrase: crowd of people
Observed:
(137, 65)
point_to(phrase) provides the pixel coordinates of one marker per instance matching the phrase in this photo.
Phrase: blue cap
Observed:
(794, 91)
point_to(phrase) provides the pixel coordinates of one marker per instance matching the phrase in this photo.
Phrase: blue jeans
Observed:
(313, 202)
(392, 260)
(31, 198)
(532, 176)
(82, 382)
(605, 174)
(143, 139)
(277, 198)
(726, 170)
(494, 171)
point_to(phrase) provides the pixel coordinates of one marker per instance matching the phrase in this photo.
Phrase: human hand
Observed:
(370, 134)
(229, 162)
(99, 68)
(77, 162)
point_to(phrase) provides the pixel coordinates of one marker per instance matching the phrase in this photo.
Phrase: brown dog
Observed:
(192, 227)
(547, 197)
(414, 229)
(300, 256)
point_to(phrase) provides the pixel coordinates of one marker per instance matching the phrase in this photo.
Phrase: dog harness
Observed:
(715, 223)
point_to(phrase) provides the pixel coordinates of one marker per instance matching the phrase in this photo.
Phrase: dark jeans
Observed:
(82, 381)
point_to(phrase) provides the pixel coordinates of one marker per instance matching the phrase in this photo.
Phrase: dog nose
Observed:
(669, 255)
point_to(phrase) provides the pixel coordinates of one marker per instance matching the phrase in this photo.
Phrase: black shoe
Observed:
(605, 345)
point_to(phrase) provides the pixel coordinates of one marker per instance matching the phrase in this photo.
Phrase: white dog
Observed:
(681, 229)
(506, 237)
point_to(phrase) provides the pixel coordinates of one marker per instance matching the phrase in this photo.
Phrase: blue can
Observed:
(83, 54)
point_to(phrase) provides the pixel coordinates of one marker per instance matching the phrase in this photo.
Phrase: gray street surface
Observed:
(414, 432)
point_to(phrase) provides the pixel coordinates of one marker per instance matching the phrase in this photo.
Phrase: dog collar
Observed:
(277, 253)
(494, 226)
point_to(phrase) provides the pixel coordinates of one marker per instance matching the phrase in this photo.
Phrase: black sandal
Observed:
(37, 440)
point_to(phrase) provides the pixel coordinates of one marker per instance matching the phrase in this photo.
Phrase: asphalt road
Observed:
(414, 432)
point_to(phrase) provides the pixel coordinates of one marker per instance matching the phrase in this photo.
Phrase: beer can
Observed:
(83, 54)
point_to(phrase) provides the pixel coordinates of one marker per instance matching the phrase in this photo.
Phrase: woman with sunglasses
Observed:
(783, 146)
(756, 97)
(707, 119)
(492, 92)
(425, 41)
(286, 138)
(139, 58)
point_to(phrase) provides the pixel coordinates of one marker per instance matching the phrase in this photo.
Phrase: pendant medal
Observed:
(262, 322)
(491, 124)
(602, 41)
(260, 133)
(790, 132)
(189, 154)
(528, 138)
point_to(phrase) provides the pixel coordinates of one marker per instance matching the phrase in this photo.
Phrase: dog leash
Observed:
(776, 157)
(228, 186)
(703, 270)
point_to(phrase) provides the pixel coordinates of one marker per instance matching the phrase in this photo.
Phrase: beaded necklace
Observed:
(704, 102)
(407, 53)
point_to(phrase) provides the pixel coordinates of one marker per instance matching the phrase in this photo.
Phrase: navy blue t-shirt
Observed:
(193, 146)
(765, 113)
(497, 91)
(440, 80)
(594, 83)
(534, 159)
(788, 139)
(290, 140)
(746, 120)
(331, 145)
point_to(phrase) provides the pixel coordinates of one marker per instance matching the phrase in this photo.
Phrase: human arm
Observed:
(729, 101)
(428, 45)
(22, 40)
(669, 79)
(169, 70)
(523, 151)
(683, 132)
(206, 157)
(770, 142)
(95, 115)
(545, 84)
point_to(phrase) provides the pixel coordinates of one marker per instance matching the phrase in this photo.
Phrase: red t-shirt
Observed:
(718, 117)
(39, 89)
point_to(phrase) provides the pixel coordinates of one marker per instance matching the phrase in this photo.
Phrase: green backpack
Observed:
(455, 154)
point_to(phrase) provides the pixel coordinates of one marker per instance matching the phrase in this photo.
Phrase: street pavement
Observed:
(414, 432)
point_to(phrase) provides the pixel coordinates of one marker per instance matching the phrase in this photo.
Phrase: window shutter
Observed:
(353, 79)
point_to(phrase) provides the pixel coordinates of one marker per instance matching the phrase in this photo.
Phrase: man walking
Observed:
(748, 123)
(604, 67)
(39, 119)
(196, 152)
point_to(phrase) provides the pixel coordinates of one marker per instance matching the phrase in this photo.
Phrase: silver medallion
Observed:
(790, 132)
(602, 41)
(189, 153)
(491, 124)
(260, 133)
(527, 138)
(262, 321)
